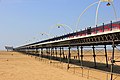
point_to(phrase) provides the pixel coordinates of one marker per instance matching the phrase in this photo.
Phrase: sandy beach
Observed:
(16, 66)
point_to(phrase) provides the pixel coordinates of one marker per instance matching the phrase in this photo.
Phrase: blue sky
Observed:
(23, 21)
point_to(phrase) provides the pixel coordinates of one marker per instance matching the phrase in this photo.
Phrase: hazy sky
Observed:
(23, 21)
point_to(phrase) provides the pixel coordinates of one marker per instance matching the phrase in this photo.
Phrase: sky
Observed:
(24, 21)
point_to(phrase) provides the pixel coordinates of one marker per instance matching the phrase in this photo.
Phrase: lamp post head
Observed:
(108, 4)
(109, 1)
(58, 26)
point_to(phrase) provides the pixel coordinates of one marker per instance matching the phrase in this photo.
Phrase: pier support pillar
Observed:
(63, 53)
(78, 53)
(69, 54)
(41, 52)
(94, 56)
(112, 60)
(106, 56)
(81, 63)
(56, 52)
(60, 55)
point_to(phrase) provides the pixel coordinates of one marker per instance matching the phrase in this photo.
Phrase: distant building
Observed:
(9, 48)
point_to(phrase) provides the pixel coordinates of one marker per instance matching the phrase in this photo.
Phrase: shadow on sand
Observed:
(99, 66)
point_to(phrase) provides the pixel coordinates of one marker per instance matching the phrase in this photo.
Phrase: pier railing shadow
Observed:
(89, 64)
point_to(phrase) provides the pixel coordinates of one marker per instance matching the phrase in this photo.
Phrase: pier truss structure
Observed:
(96, 47)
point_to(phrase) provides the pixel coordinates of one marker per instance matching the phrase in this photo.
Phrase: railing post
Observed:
(111, 25)
(119, 25)
(103, 27)
(96, 29)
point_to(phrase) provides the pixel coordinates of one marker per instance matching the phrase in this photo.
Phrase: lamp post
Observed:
(47, 34)
(34, 38)
(110, 2)
(64, 26)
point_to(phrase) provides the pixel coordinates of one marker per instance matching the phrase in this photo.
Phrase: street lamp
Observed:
(47, 34)
(34, 38)
(110, 2)
(64, 26)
